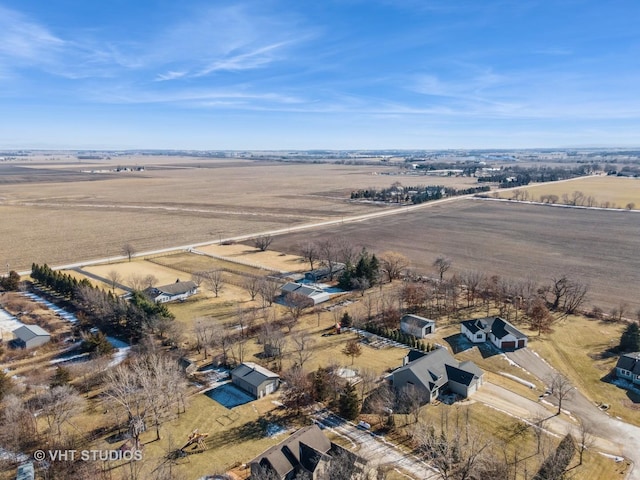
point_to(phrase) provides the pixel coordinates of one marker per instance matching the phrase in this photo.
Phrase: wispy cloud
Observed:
(244, 61)
(24, 40)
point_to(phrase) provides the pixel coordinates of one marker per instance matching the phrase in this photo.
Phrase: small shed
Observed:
(417, 326)
(30, 336)
(254, 379)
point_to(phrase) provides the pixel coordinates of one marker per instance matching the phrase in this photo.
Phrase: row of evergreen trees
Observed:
(61, 283)
(399, 336)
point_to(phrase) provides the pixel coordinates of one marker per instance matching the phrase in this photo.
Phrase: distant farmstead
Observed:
(495, 330)
(172, 292)
(30, 336)
(254, 379)
(417, 326)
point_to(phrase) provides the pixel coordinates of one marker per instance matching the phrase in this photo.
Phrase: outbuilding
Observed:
(417, 326)
(254, 379)
(30, 336)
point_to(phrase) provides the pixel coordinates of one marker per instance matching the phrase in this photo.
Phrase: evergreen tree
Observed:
(346, 321)
(630, 339)
(348, 404)
(61, 377)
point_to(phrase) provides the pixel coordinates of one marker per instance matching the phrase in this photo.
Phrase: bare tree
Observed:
(295, 304)
(329, 255)
(198, 278)
(561, 389)
(252, 285)
(150, 280)
(566, 295)
(457, 455)
(205, 331)
(128, 250)
(352, 349)
(214, 281)
(442, 265)
(262, 242)
(310, 252)
(411, 400)
(586, 437)
(59, 406)
(115, 278)
(302, 343)
(539, 315)
(268, 290)
(19, 428)
(297, 391)
(472, 281)
(368, 379)
(136, 282)
(393, 264)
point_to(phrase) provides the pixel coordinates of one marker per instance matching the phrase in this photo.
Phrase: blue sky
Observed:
(337, 74)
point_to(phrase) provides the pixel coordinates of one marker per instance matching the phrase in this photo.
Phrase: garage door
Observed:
(508, 345)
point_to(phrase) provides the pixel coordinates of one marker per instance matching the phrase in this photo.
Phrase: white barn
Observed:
(417, 326)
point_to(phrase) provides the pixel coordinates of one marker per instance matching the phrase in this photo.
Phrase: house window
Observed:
(479, 336)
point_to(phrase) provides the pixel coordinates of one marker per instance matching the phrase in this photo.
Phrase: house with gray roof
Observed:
(417, 326)
(628, 367)
(30, 336)
(254, 379)
(173, 292)
(314, 294)
(307, 453)
(436, 372)
(495, 330)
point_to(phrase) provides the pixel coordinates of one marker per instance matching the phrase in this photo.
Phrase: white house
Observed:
(29, 336)
(172, 292)
(628, 367)
(417, 326)
(315, 294)
(496, 330)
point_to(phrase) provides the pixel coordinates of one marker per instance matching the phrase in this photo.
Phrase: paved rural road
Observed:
(280, 231)
(614, 436)
(375, 448)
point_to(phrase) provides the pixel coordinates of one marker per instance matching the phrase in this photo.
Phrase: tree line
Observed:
(414, 195)
(104, 310)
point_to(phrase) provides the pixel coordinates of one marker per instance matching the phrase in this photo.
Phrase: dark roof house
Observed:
(307, 453)
(496, 330)
(628, 367)
(436, 371)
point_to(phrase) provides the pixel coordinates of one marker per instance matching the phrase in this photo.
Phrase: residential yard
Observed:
(578, 347)
(510, 438)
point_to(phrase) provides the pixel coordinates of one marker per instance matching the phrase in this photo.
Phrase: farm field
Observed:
(618, 191)
(52, 213)
(517, 241)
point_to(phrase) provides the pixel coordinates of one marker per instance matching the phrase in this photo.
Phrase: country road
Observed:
(279, 231)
